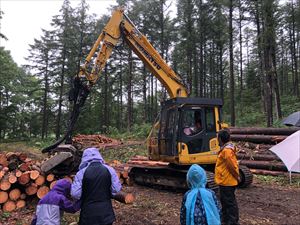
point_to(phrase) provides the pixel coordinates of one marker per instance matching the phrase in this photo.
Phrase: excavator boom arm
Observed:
(120, 25)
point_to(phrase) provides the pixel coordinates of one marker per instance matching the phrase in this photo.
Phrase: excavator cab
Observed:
(187, 131)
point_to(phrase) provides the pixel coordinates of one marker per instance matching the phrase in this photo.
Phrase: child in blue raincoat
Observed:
(199, 205)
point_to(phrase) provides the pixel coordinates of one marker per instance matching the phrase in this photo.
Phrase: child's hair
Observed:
(224, 136)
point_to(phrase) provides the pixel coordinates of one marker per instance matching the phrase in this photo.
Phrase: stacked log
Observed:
(95, 140)
(122, 171)
(261, 135)
(21, 180)
(255, 143)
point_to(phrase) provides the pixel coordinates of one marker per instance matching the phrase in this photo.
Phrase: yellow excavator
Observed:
(185, 132)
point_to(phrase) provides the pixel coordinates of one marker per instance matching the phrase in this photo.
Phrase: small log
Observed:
(24, 167)
(34, 174)
(20, 204)
(52, 184)
(12, 178)
(31, 189)
(24, 179)
(40, 180)
(3, 160)
(3, 197)
(42, 191)
(50, 177)
(9, 206)
(121, 180)
(18, 173)
(4, 184)
(123, 197)
(23, 196)
(14, 194)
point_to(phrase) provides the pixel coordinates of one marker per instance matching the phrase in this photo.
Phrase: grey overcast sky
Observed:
(23, 21)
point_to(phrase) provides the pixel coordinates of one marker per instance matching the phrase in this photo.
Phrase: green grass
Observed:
(279, 180)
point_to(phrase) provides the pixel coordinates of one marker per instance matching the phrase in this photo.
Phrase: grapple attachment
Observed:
(63, 160)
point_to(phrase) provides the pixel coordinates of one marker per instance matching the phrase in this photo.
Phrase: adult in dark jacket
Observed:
(95, 183)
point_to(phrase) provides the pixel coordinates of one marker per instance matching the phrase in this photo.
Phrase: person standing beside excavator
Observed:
(227, 177)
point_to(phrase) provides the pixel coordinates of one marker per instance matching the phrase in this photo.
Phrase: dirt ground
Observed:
(261, 204)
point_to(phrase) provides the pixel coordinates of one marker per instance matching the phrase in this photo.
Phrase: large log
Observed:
(14, 194)
(266, 139)
(31, 189)
(42, 191)
(259, 157)
(24, 179)
(4, 184)
(3, 197)
(265, 165)
(9, 206)
(262, 130)
(123, 197)
(40, 180)
(20, 204)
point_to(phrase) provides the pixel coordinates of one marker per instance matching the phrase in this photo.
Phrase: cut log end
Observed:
(9, 206)
(42, 191)
(20, 204)
(14, 194)
(123, 197)
(3, 197)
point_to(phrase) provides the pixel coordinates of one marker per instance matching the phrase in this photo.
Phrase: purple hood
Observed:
(90, 155)
(62, 186)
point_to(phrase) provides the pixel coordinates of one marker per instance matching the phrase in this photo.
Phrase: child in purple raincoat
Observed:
(51, 207)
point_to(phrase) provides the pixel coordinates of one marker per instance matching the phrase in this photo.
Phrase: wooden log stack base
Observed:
(21, 180)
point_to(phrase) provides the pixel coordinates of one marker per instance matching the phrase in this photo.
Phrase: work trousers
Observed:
(230, 211)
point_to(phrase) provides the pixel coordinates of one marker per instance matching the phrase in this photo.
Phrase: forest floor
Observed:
(268, 201)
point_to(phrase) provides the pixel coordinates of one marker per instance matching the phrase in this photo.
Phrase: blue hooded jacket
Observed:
(200, 205)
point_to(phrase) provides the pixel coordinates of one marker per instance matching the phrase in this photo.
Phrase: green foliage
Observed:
(123, 154)
(137, 132)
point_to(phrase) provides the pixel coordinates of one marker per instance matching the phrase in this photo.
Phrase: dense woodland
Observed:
(244, 52)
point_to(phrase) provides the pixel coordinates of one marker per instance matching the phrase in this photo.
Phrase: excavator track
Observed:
(166, 177)
(246, 177)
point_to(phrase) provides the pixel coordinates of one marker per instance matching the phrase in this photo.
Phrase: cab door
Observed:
(167, 140)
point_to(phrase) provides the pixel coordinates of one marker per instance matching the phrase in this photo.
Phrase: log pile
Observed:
(260, 135)
(21, 180)
(95, 140)
(254, 145)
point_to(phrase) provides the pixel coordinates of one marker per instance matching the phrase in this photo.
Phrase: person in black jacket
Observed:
(95, 183)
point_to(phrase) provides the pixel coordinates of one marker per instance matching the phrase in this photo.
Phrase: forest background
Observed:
(245, 52)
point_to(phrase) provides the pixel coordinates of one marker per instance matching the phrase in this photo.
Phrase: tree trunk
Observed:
(232, 102)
